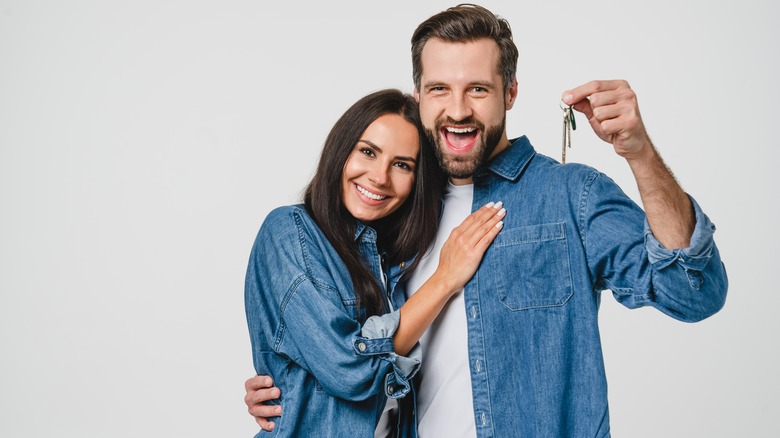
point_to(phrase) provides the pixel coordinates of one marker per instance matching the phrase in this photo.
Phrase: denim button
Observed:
(478, 365)
(473, 312)
(390, 389)
(403, 265)
(362, 346)
(484, 419)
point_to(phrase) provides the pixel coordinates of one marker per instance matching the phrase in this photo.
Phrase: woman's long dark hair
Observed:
(405, 233)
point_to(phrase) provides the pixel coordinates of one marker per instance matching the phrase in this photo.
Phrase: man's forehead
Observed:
(470, 58)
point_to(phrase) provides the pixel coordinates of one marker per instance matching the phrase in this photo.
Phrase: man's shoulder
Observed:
(523, 159)
(548, 169)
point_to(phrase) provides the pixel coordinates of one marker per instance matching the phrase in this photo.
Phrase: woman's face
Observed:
(379, 174)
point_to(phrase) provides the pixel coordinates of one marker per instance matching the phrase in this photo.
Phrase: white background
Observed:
(142, 144)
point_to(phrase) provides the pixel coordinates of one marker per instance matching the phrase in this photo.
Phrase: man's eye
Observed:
(479, 90)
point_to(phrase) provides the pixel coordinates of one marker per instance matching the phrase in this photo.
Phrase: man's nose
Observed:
(459, 108)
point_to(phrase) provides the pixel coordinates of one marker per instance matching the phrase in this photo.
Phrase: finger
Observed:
(476, 236)
(266, 425)
(478, 219)
(575, 95)
(489, 236)
(609, 112)
(620, 125)
(265, 411)
(612, 97)
(258, 382)
(490, 226)
(584, 107)
(261, 396)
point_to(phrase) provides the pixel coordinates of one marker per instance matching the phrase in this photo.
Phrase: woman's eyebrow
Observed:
(378, 149)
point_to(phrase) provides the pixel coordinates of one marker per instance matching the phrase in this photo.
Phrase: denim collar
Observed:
(364, 232)
(510, 163)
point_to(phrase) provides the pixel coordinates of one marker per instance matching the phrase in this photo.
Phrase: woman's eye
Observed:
(367, 151)
(403, 165)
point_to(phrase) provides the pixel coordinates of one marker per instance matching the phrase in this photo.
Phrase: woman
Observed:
(318, 271)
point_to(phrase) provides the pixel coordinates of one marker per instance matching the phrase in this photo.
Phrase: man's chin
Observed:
(459, 167)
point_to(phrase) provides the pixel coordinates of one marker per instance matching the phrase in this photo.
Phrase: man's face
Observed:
(463, 104)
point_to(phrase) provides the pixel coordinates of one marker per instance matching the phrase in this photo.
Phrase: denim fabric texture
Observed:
(532, 307)
(300, 310)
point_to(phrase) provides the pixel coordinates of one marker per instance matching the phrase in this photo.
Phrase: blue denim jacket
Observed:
(300, 310)
(532, 307)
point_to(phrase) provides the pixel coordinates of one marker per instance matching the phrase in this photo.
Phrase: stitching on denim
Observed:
(302, 240)
(307, 258)
(560, 234)
(584, 199)
(482, 346)
(282, 307)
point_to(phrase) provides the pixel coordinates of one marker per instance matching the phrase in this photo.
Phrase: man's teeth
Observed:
(460, 130)
(370, 195)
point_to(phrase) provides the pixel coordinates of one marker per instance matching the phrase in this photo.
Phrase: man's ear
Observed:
(511, 95)
(416, 95)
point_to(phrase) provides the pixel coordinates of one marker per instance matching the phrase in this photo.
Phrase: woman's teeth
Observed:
(370, 195)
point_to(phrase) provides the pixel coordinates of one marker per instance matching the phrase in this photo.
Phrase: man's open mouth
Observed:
(460, 140)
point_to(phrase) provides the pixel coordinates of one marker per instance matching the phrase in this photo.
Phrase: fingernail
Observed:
(502, 212)
(271, 426)
(275, 392)
(498, 204)
(500, 224)
(278, 411)
(568, 98)
(489, 204)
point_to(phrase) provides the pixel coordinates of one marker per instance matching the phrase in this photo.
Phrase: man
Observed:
(518, 352)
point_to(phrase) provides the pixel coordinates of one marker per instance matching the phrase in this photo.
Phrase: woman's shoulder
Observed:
(287, 219)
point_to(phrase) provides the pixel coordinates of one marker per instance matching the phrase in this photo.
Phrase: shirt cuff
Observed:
(381, 326)
(376, 338)
(696, 256)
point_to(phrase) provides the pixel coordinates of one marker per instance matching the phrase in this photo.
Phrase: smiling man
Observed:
(518, 352)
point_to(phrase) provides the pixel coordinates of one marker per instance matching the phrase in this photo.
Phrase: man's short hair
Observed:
(466, 23)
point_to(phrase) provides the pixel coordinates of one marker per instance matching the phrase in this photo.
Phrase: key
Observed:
(568, 125)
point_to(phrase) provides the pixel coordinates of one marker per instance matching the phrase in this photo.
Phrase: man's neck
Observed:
(461, 181)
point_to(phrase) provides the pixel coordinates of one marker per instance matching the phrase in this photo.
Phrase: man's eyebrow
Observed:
(486, 84)
(434, 84)
(378, 149)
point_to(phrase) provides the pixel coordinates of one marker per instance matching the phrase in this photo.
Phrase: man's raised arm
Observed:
(612, 110)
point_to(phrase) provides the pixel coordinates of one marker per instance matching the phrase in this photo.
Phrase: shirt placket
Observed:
(476, 339)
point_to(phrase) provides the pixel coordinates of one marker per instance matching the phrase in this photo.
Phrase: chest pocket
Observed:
(532, 266)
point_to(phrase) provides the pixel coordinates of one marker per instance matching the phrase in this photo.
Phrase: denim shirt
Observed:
(532, 307)
(300, 309)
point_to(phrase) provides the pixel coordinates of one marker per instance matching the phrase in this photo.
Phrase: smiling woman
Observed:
(324, 293)
(379, 174)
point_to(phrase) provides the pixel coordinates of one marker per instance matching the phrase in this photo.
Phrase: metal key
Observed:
(568, 125)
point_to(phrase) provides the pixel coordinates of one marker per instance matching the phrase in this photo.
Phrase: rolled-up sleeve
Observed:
(376, 337)
(688, 284)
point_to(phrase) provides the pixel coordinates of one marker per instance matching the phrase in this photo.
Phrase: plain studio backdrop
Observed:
(142, 144)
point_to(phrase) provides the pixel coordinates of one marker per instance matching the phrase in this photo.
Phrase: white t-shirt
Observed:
(444, 402)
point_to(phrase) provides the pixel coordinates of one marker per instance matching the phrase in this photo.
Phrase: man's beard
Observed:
(464, 166)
